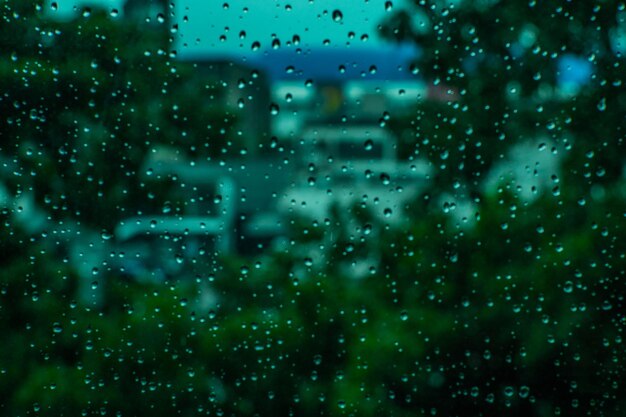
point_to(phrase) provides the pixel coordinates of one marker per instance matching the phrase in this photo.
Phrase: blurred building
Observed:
(247, 96)
(241, 195)
(359, 102)
(352, 166)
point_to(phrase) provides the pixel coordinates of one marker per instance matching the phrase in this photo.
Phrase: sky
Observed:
(263, 20)
(203, 22)
(231, 28)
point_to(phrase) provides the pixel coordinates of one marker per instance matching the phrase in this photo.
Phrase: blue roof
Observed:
(389, 63)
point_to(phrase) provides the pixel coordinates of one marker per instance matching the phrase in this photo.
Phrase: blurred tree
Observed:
(84, 102)
(516, 72)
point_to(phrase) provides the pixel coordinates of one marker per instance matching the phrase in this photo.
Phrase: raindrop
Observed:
(568, 287)
(524, 391)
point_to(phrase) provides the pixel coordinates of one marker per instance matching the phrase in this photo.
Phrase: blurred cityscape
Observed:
(313, 138)
(433, 225)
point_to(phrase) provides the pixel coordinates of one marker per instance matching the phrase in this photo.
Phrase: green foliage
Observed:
(515, 316)
(498, 65)
(114, 96)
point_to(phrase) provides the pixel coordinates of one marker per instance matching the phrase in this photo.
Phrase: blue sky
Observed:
(203, 22)
(312, 21)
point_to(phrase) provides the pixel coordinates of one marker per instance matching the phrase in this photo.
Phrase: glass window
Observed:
(313, 208)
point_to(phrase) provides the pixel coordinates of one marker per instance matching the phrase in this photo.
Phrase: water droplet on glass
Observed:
(524, 391)
(568, 287)
(337, 15)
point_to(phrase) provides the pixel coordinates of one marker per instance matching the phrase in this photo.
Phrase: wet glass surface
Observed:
(312, 208)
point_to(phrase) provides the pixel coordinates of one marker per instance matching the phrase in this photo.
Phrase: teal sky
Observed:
(312, 21)
(203, 22)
